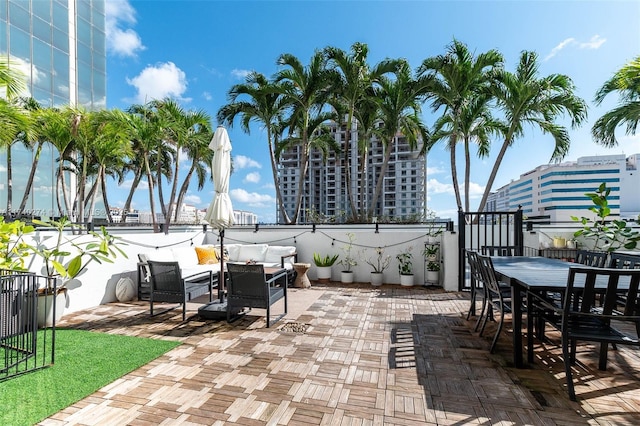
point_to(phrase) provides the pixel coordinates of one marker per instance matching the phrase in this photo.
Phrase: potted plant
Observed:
(433, 272)
(607, 235)
(431, 253)
(433, 230)
(379, 264)
(58, 271)
(405, 267)
(348, 261)
(323, 266)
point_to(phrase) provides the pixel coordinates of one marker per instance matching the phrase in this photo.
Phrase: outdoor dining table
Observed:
(535, 274)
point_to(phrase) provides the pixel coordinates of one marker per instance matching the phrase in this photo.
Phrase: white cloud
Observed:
(269, 185)
(239, 74)
(436, 187)
(475, 190)
(242, 162)
(253, 177)
(141, 185)
(434, 170)
(159, 81)
(121, 41)
(192, 199)
(207, 96)
(595, 42)
(253, 199)
(564, 43)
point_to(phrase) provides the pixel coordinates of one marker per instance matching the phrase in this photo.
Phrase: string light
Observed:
(333, 241)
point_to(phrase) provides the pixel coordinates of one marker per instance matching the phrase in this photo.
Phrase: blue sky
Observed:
(194, 51)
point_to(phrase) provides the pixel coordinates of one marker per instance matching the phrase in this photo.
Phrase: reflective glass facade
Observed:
(61, 46)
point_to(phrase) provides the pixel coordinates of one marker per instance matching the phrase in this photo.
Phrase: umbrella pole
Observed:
(221, 283)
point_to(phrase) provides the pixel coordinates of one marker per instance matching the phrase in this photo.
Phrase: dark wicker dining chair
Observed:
(498, 297)
(595, 314)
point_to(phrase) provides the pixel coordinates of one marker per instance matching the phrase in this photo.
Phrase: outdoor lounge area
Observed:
(349, 354)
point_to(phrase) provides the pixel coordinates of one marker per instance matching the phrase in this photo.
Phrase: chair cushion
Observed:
(274, 254)
(207, 255)
(254, 252)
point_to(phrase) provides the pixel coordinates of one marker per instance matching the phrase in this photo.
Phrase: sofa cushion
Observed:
(185, 256)
(160, 255)
(275, 253)
(254, 252)
(207, 255)
(233, 250)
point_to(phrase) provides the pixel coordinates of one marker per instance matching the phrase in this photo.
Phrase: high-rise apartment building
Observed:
(61, 47)
(557, 190)
(325, 192)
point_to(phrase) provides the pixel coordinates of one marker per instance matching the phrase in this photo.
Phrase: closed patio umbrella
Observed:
(220, 211)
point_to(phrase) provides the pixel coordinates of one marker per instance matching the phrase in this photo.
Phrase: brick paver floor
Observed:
(348, 355)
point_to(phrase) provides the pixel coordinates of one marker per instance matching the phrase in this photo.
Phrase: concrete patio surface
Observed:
(348, 354)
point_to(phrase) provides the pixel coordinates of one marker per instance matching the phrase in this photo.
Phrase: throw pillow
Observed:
(207, 255)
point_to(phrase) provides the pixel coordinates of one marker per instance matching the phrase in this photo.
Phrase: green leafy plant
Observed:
(430, 250)
(348, 261)
(433, 266)
(607, 235)
(380, 262)
(405, 262)
(327, 260)
(14, 250)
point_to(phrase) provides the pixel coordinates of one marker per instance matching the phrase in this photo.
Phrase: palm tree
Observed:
(367, 114)
(351, 83)
(180, 128)
(626, 81)
(400, 112)
(525, 98)
(451, 81)
(475, 124)
(306, 89)
(262, 102)
(15, 126)
(38, 122)
(110, 149)
(11, 79)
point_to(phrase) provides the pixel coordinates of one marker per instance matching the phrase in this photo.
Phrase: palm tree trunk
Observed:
(134, 185)
(276, 178)
(163, 206)
(467, 172)
(304, 166)
(92, 195)
(347, 167)
(103, 187)
(172, 196)
(454, 170)
(152, 204)
(183, 188)
(32, 174)
(383, 170)
(362, 213)
(9, 181)
(494, 172)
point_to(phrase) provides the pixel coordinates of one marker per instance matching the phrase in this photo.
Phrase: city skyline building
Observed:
(557, 190)
(60, 46)
(325, 192)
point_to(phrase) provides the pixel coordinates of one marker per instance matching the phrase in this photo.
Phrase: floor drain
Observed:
(294, 327)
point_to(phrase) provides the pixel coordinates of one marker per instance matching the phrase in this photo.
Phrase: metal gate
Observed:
(490, 233)
(23, 347)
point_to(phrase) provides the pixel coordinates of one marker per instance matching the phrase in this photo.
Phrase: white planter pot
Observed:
(346, 277)
(433, 277)
(323, 273)
(377, 278)
(45, 308)
(406, 280)
(559, 243)
(432, 257)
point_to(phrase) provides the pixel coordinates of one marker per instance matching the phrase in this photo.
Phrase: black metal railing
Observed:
(23, 347)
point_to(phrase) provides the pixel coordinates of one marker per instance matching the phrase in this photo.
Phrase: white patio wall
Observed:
(96, 285)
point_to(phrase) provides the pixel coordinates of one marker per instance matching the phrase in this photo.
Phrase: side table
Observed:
(302, 281)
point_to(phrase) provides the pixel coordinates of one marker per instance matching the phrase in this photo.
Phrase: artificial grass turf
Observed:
(84, 362)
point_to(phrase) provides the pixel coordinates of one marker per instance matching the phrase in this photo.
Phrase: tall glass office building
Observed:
(61, 46)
